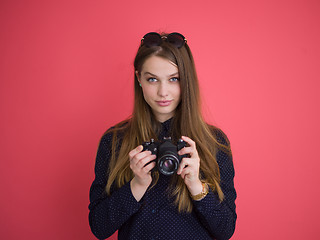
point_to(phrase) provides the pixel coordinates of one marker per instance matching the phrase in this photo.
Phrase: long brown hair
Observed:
(142, 126)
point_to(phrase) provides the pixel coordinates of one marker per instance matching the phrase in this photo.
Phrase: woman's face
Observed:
(159, 79)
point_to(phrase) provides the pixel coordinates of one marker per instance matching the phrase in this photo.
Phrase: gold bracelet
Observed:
(203, 193)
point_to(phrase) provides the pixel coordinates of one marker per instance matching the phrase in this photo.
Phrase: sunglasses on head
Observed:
(155, 39)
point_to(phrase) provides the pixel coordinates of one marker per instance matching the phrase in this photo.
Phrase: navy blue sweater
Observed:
(155, 216)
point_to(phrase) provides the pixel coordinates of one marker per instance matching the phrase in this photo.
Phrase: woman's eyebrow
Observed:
(146, 73)
(174, 74)
(171, 75)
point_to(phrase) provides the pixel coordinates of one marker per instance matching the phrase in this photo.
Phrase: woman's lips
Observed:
(164, 103)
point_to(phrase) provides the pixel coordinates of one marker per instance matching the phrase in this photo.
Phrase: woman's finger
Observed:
(149, 167)
(185, 150)
(144, 161)
(141, 155)
(184, 163)
(185, 172)
(135, 151)
(189, 141)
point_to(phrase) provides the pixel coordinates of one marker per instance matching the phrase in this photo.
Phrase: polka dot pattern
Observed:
(155, 216)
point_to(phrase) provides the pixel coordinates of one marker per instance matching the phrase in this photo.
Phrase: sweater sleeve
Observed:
(108, 213)
(220, 217)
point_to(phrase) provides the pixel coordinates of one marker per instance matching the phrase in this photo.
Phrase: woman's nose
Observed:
(163, 90)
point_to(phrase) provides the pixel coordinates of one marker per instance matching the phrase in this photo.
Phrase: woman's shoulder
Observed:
(119, 129)
(219, 135)
(222, 144)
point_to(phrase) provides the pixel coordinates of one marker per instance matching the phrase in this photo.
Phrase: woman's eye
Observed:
(152, 80)
(174, 79)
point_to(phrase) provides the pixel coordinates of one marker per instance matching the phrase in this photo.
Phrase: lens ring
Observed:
(176, 39)
(151, 39)
(163, 168)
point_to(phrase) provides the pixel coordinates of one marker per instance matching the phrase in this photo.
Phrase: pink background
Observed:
(66, 76)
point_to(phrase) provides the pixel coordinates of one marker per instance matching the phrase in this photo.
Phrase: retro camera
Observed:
(168, 159)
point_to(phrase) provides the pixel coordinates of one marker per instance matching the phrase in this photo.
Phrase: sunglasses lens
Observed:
(176, 39)
(152, 39)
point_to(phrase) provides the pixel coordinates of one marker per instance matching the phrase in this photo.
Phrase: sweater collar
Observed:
(166, 125)
(165, 129)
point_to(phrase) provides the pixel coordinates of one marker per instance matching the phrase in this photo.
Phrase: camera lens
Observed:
(168, 164)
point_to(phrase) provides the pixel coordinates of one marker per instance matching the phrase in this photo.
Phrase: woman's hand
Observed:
(141, 169)
(189, 167)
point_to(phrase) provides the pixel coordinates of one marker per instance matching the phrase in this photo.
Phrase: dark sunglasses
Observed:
(155, 39)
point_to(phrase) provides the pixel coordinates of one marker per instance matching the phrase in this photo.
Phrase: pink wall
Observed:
(66, 76)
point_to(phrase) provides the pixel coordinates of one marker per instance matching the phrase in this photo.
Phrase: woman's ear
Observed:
(138, 77)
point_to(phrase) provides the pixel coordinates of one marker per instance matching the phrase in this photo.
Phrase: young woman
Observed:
(129, 193)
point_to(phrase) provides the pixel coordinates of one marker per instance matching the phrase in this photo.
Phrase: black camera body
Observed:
(168, 159)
